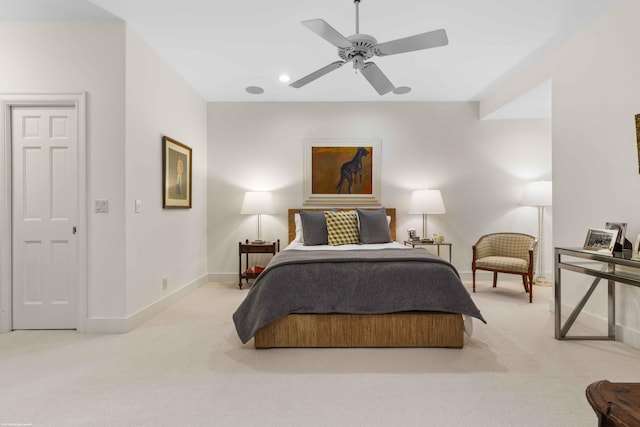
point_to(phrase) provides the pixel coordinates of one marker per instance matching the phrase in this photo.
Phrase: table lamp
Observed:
(426, 202)
(257, 203)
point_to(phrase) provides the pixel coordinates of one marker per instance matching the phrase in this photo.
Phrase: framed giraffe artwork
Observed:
(342, 172)
(176, 174)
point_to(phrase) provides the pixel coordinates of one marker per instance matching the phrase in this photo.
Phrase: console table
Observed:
(602, 267)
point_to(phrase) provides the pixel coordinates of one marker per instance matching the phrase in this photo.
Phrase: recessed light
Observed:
(402, 90)
(254, 90)
(284, 78)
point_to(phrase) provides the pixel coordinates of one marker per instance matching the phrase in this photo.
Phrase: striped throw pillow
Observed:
(342, 228)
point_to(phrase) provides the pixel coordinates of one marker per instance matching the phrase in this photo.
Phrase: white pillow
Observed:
(298, 222)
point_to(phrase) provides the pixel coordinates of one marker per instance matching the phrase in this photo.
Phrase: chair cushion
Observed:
(517, 265)
(511, 245)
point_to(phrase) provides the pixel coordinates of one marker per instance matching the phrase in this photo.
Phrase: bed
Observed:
(378, 295)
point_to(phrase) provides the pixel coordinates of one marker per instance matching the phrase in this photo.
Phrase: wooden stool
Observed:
(615, 404)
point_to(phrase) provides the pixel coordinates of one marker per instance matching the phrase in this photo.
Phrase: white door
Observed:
(45, 212)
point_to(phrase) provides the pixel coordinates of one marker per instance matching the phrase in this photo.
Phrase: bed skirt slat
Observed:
(417, 329)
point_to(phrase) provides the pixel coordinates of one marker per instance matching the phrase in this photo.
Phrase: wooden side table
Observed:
(414, 244)
(615, 404)
(247, 248)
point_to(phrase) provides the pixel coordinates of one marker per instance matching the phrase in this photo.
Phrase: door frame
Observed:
(76, 100)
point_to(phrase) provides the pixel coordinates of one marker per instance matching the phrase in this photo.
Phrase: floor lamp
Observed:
(257, 202)
(426, 202)
(539, 194)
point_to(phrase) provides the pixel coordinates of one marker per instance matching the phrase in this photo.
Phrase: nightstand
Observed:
(414, 244)
(247, 248)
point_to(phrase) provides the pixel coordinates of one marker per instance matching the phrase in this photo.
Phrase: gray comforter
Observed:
(357, 282)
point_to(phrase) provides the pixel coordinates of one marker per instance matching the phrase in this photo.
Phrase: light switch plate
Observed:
(101, 206)
(138, 206)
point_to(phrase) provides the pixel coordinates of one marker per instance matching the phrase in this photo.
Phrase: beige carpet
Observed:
(186, 367)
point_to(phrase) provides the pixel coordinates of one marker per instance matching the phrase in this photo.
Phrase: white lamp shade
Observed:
(257, 202)
(537, 194)
(426, 202)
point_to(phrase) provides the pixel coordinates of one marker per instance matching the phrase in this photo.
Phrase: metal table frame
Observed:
(608, 274)
(414, 244)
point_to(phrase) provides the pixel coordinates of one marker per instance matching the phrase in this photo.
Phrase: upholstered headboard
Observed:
(391, 212)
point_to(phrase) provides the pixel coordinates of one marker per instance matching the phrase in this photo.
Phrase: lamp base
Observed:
(257, 242)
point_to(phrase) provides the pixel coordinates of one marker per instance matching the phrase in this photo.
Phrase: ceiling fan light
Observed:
(358, 48)
(284, 78)
(254, 90)
(402, 90)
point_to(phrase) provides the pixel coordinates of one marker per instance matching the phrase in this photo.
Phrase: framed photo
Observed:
(622, 230)
(342, 172)
(600, 240)
(412, 233)
(636, 249)
(176, 174)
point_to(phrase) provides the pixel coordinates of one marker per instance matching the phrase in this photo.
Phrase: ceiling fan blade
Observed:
(327, 32)
(427, 40)
(376, 78)
(317, 74)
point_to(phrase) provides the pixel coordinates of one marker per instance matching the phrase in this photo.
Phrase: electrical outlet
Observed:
(165, 283)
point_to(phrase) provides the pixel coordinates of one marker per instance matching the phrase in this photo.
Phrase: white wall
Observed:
(596, 93)
(65, 56)
(133, 99)
(161, 242)
(481, 167)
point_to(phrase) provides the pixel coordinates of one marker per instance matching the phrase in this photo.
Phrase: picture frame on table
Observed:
(176, 174)
(600, 240)
(622, 230)
(412, 234)
(342, 172)
(636, 249)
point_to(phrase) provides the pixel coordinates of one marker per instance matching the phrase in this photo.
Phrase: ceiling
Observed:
(221, 47)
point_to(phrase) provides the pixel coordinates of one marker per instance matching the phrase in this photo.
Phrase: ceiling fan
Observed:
(358, 48)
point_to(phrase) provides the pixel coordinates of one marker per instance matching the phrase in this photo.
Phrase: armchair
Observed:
(512, 253)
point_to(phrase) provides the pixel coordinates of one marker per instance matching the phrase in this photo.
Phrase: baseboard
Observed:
(114, 325)
(623, 333)
(628, 336)
(488, 275)
(223, 277)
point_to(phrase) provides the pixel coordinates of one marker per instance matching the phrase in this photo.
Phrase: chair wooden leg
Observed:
(474, 280)
(530, 289)
(524, 282)
(495, 278)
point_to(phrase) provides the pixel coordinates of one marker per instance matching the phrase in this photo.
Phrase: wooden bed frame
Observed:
(407, 329)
